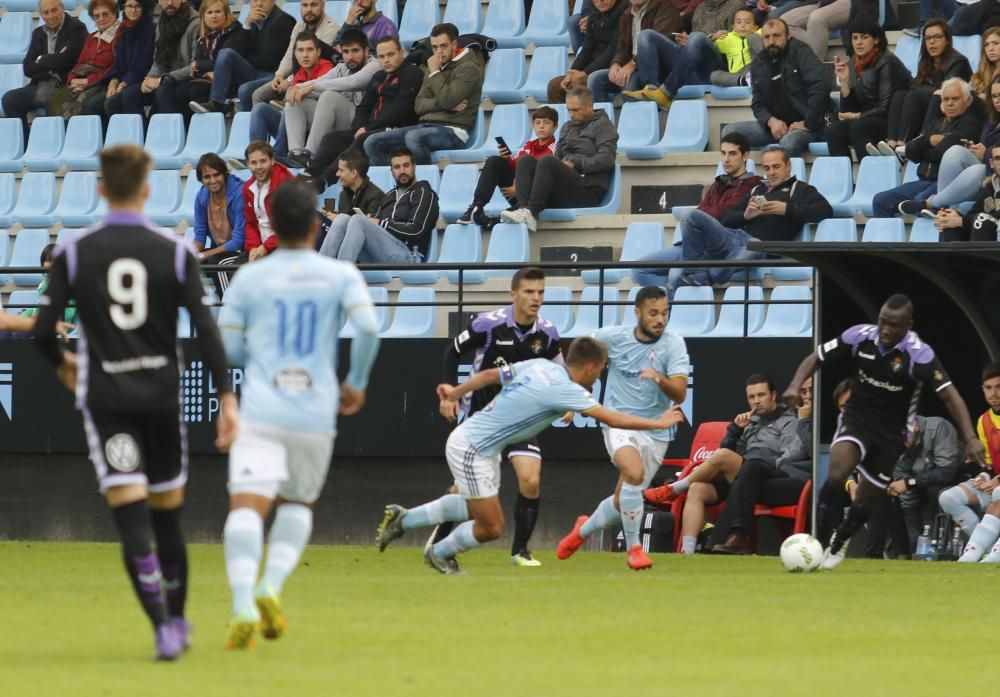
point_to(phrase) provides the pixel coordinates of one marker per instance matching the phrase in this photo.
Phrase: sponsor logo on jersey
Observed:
(293, 381)
(509, 342)
(536, 346)
(896, 364)
(869, 356)
(122, 452)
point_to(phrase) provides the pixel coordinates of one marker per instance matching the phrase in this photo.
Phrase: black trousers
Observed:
(548, 183)
(496, 172)
(841, 136)
(907, 112)
(758, 482)
(19, 102)
(323, 162)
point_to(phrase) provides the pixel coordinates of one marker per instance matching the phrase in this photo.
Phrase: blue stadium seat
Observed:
(381, 176)
(28, 246)
(628, 311)
(686, 131)
(798, 168)
(88, 22)
(728, 93)
(837, 230)
(164, 194)
(184, 328)
(337, 10)
(295, 10)
(77, 200)
(461, 244)
(589, 318)
(8, 197)
(639, 125)
(508, 243)
(83, 143)
(429, 173)
(819, 149)
(11, 77)
(692, 91)
(477, 134)
(185, 211)
(457, 186)
(21, 300)
(379, 297)
(4, 249)
(464, 14)
(561, 316)
(788, 320)
(124, 128)
(25, 6)
(35, 200)
(908, 51)
(45, 141)
(505, 23)
(11, 145)
(508, 121)
(388, 8)
(794, 273)
(68, 233)
(206, 133)
(731, 315)
(413, 322)
(15, 37)
(548, 23)
(608, 107)
(640, 239)
(609, 205)
(910, 172)
(546, 63)
(239, 136)
(875, 174)
(884, 230)
(419, 16)
(971, 47)
(922, 230)
(832, 177)
(504, 76)
(165, 139)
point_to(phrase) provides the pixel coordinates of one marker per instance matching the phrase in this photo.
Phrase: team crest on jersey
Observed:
(896, 364)
(536, 346)
(938, 375)
(122, 452)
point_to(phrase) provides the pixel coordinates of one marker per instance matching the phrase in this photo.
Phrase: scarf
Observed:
(171, 30)
(209, 41)
(110, 33)
(862, 64)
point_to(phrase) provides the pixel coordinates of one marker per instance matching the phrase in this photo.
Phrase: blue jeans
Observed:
(655, 57)
(246, 90)
(947, 8)
(785, 7)
(885, 204)
(357, 239)
(698, 59)
(707, 238)
(795, 142)
(604, 90)
(420, 138)
(960, 177)
(266, 122)
(575, 35)
(657, 277)
(232, 70)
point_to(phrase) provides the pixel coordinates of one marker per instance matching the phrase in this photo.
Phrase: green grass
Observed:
(363, 624)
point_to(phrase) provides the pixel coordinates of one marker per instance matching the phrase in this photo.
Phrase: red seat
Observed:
(706, 441)
(799, 513)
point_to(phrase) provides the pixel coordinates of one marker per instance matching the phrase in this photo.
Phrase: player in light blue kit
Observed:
(648, 373)
(535, 393)
(280, 320)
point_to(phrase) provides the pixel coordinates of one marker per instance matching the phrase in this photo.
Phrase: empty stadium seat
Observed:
(971, 47)
(381, 176)
(732, 313)
(185, 330)
(686, 131)
(386, 7)
(11, 145)
(205, 133)
(505, 23)
(461, 244)
(412, 322)
(590, 318)
(546, 63)
(124, 128)
(21, 300)
(509, 243)
(27, 250)
(4, 249)
(837, 230)
(507, 121)
(820, 149)
(788, 320)
(165, 140)
(798, 168)
(77, 200)
(910, 172)
(548, 23)
(68, 233)
(45, 142)
(907, 50)
(185, 211)
(164, 194)
(640, 239)
(922, 230)
(476, 136)
(693, 91)
(875, 174)
(379, 296)
(628, 311)
(504, 76)
(728, 93)
(560, 315)
(607, 206)
(419, 16)
(457, 186)
(239, 136)
(83, 143)
(35, 200)
(884, 230)
(639, 125)
(464, 14)
(794, 273)
(428, 173)
(15, 36)
(8, 197)
(832, 177)
(11, 77)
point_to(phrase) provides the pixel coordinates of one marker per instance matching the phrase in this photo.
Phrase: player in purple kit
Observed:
(892, 364)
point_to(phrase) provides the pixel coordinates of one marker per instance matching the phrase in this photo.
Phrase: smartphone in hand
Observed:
(502, 144)
(759, 201)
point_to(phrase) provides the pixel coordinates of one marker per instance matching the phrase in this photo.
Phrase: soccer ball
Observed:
(801, 552)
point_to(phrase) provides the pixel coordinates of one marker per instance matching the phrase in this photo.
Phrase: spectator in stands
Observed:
(687, 59)
(773, 211)
(791, 94)
(957, 122)
(254, 55)
(813, 23)
(980, 224)
(909, 111)
(498, 170)
(268, 175)
(55, 46)
(866, 91)
(766, 10)
(316, 106)
(83, 90)
(989, 64)
(133, 54)
(388, 103)
(599, 45)
(728, 190)
(219, 215)
(45, 261)
(657, 15)
(945, 9)
(579, 23)
(176, 38)
(974, 18)
(738, 48)
(580, 171)
(358, 192)
(314, 20)
(399, 233)
(363, 16)
(447, 104)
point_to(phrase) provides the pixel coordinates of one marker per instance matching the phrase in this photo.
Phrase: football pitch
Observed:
(361, 623)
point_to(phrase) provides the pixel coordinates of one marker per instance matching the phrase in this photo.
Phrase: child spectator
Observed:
(738, 47)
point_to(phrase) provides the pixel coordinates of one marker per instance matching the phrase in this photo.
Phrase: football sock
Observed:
(856, 517)
(288, 537)
(680, 486)
(243, 539)
(829, 511)
(994, 556)
(688, 544)
(172, 553)
(604, 516)
(458, 541)
(142, 564)
(953, 501)
(982, 538)
(525, 517)
(450, 507)
(630, 500)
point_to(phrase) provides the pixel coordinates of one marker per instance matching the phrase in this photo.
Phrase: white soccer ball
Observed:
(801, 552)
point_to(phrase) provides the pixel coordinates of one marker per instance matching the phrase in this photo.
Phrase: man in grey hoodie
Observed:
(578, 175)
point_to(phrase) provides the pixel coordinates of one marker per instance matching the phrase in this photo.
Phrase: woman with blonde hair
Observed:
(989, 64)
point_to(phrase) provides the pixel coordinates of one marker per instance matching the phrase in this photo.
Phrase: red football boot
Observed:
(573, 541)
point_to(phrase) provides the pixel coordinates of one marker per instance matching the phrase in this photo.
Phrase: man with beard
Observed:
(219, 218)
(363, 16)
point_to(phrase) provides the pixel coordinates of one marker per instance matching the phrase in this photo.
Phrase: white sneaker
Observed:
(522, 216)
(832, 561)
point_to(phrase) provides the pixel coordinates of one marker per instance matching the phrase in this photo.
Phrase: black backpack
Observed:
(420, 50)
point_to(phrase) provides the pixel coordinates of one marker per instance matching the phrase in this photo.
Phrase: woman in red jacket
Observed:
(83, 83)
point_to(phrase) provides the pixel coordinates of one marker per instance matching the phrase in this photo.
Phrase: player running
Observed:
(503, 337)
(280, 319)
(892, 363)
(534, 394)
(647, 373)
(128, 279)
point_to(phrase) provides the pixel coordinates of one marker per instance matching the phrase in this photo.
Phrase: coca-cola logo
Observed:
(702, 454)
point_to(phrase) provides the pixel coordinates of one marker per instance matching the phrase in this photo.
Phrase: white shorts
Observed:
(650, 450)
(476, 476)
(268, 461)
(985, 498)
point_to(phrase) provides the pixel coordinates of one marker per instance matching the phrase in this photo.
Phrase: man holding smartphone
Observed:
(498, 170)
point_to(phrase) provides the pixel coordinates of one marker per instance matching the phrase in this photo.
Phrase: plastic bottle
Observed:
(923, 550)
(957, 545)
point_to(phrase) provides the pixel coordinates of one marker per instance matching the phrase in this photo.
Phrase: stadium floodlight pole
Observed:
(817, 408)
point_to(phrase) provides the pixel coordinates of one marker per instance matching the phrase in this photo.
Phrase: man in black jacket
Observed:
(773, 211)
(255, 56)
(54, 48)
(974, 19)
(599, 45)
(388, 103)
(791, 94)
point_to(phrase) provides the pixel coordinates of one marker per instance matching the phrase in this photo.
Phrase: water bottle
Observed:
(415, 256)
(924, 544)
(935, 550)
(957, 545)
